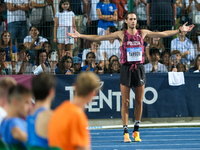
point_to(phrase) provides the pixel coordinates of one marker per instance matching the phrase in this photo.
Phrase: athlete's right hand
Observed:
(75, 34)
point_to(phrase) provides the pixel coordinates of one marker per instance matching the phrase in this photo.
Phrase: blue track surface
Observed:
(152, 138)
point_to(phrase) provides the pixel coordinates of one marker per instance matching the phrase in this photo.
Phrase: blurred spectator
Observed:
(6, 83)
(161, 16)
(79, 16)
(120, 4)
(166, 60)
(67, 52)
(6, 42)
(64, 23)
(112, 58)
(65, 66)
(154, 66)
(140, 11)
(47, 46)
(77, 64)
(196, 43)
(193, 10)
(114, 66)
(23, 66)
(14, 127)
(196, 67)
(90, 62)
(154, 42)
(42, 61)
(34, 42)
(92, 19)
(185, 46)
(179, 6)
(16, 19)
(181, 67)
(176, 59)
(106, 67)
(107, 14)
(109, 48)
(46, 28)
(3, 64)
(37, 121)
(2, 21)
(95, 49)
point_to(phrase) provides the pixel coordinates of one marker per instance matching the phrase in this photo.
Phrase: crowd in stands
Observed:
(34, 35)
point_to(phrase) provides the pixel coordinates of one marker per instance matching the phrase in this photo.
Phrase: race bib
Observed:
(134, 54)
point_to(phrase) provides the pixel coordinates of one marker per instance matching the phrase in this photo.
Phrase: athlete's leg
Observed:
(125, 92)
(139, 93)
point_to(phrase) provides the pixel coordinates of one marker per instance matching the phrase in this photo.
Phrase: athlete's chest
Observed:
(133, 40)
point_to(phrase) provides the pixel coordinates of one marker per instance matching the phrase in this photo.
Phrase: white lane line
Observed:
(148, 145)
(150, 140)
(100, 136)
(148, 131)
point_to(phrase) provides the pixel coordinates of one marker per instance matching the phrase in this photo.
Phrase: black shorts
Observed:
(135, 78)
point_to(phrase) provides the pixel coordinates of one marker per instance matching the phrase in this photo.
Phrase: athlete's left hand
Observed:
(185, 28)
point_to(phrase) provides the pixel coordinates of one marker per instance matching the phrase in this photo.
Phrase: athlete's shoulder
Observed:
(145, 32)
(119, 33)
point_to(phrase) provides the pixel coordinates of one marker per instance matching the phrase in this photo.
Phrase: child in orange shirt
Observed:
(67, 126)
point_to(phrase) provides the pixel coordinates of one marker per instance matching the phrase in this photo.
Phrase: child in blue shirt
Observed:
(14, 128)
(90, 62)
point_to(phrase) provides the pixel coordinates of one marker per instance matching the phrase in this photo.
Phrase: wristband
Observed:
(179, 30)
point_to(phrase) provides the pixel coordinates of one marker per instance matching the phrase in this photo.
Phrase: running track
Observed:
(152, 139)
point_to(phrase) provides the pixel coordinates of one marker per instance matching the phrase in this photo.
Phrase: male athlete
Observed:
(132, 70)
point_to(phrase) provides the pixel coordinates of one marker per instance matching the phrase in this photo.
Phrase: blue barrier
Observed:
(160, 99)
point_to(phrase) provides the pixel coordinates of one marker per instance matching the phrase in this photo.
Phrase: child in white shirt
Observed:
(64, 23)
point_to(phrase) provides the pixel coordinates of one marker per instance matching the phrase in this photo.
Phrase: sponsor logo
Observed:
(131, 43)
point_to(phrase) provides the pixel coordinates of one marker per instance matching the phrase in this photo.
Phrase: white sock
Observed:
(137, 123)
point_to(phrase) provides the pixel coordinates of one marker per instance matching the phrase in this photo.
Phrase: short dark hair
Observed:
(17, 92)
(163, 53)
(2, 50)
(41, 85)
(21, 47)
(113, 29)
(61, 65)
(45, 43)
(112, 57)
(86, 62)
(153, 50)
(89, 54)
(38, 54)
(33, 27)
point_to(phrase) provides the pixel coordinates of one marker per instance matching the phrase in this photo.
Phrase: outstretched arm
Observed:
(113, 36)
(151, 34)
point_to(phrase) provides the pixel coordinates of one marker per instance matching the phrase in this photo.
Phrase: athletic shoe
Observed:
(136, 136)
(126, 137)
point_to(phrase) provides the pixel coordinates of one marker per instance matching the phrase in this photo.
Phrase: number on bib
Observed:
(134, 54)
